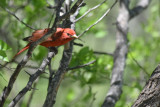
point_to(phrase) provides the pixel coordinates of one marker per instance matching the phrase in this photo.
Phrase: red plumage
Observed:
(60, 37)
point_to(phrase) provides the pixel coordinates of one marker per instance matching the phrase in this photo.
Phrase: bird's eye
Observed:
(69, 34)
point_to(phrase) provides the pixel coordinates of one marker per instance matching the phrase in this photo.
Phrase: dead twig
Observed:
(91, 9)
(104, 53)
(13, 14)
(81, 66)
(32, 93)
(139, 65)
(98, 19)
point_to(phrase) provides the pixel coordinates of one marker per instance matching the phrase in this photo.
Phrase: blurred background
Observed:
(88, 86)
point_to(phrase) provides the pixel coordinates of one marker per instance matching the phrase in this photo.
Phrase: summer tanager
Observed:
(60, 37)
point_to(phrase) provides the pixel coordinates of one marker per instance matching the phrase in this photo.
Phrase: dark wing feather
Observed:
(26, 38)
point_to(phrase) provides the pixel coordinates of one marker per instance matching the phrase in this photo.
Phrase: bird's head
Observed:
(70, 33)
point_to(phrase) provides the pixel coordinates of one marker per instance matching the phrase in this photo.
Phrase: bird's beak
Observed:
(75, 36)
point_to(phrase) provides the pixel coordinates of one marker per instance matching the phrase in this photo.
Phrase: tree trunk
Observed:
(150, 95)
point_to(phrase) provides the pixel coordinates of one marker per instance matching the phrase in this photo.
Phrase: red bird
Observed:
(60, 37)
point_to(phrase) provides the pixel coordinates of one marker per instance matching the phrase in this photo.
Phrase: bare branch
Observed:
(78, 44)
(32, 93)
(81, 66)
(27, 73)
(13, 77)
(91, 9)
(72, 11)
(51, 19)
(99, 19)
(55, 81)
(3, 66)
(105, 53)
(139, 65)
(93, 99)
(7, 90)
(41, 70)
(120, 55)
(141, 6)
(13, 14)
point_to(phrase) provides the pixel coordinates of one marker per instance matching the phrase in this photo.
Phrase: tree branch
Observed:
(13, 14)
(7, 90)
(81, 66)
(120, 55)
(149, 97)
(139, 65)
(32, 93)
(141, 6)
(55, 81)
(99, 19)
(78, 44)
(105, 53)
(72, 10)
(33, 77)
(91, 9)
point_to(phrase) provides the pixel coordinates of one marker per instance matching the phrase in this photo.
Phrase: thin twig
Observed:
(81, 66)
(2, 66)
(105, 53)
(51, 19)
(72, 11)
(78, 44)
(99, 19)
(91, 9)
(32, 93)
(93, 99)
(27, 73)
(13, 14)
(139, 64)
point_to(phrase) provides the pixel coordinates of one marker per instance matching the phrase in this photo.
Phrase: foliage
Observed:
(88, 85)
(93, 73)
(3, 49)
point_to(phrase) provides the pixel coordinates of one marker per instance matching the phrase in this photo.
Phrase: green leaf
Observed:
(2, 53)
(3, 3)
(3, 48)
(100, 34)
(71, 95)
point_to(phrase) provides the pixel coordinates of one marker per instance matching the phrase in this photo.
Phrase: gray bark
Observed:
(121, 51)
(150, 95)
(120, 55)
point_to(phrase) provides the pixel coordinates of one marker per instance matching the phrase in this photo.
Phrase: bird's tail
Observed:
(25, 48)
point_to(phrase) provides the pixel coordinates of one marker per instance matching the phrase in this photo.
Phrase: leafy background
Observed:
(86, 86)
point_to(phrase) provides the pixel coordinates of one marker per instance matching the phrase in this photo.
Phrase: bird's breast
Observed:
(57, 42)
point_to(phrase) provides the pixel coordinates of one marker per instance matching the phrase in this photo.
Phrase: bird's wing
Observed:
(39, 33)
(36, 35)
(54, 37)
